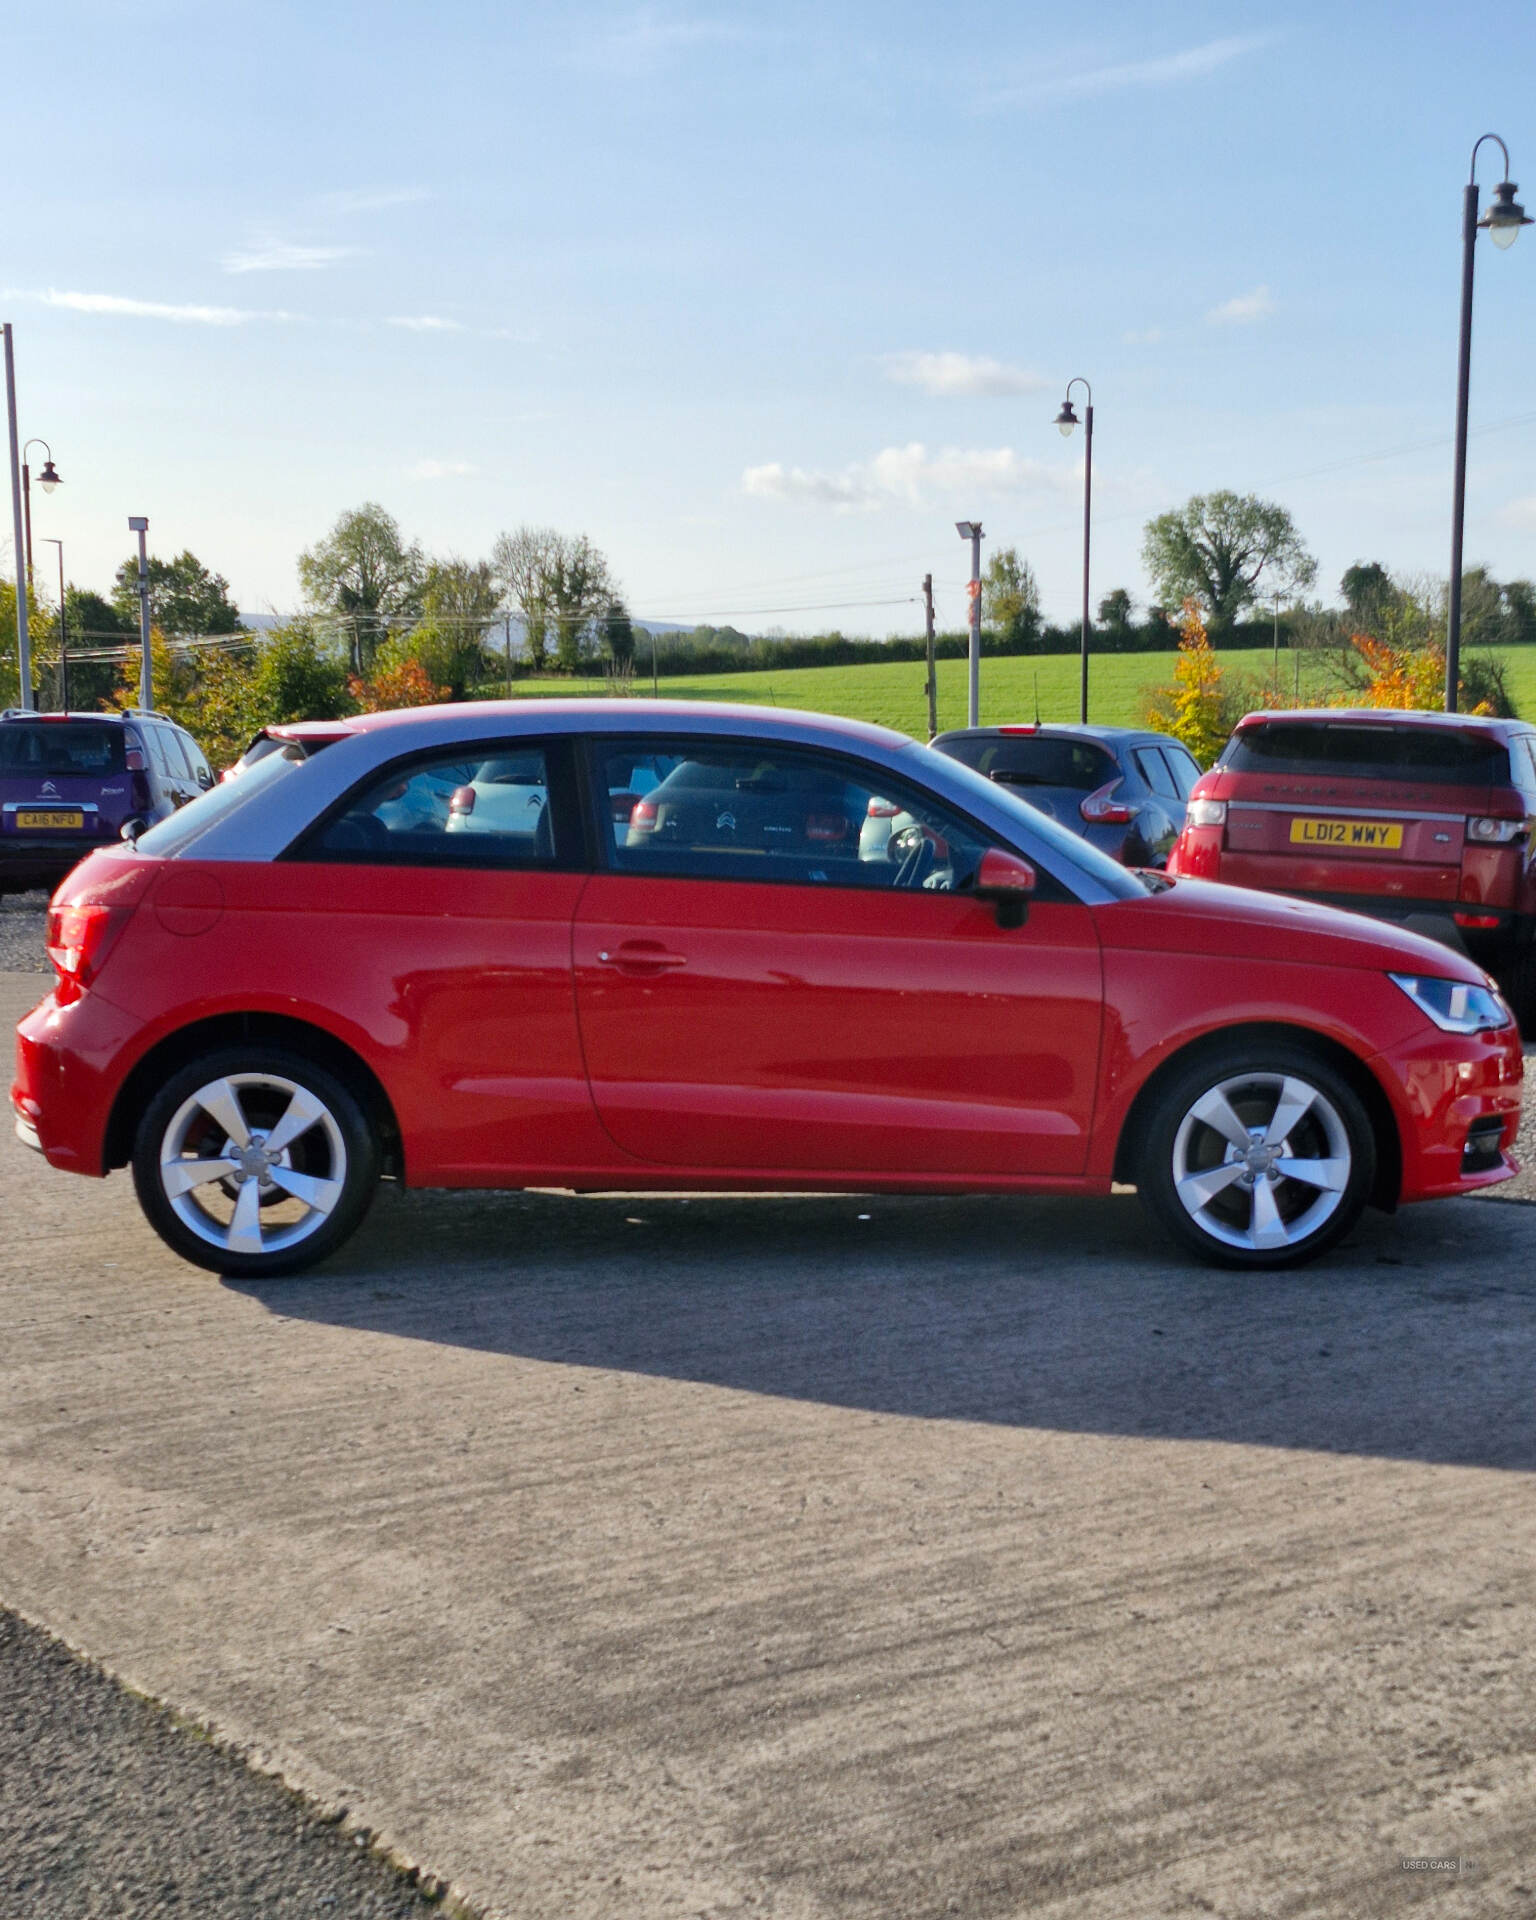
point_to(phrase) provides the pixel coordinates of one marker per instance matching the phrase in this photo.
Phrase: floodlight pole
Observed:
(1504, 219)
(971, 530)
(23, 647)
(138, 524)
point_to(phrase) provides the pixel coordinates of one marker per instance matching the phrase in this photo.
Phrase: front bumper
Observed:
(1446, 1090)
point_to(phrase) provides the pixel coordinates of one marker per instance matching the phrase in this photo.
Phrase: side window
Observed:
(1186, 770)
(158, 748)
(1154, 770)
(192, 753)
(722, 811)
(1522, 762)
(465, 810)
(176, 750)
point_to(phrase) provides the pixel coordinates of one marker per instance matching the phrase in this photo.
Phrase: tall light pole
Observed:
(1067, 421)
(1504, 219)
(971, 530)
(23, 648)
(139, 525)
(48, 479)
(49, 541)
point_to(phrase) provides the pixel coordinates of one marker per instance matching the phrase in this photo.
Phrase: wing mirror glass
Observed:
(1008, 881)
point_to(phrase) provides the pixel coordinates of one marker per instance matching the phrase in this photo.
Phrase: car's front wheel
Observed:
(1258, 1156)
(255, 1162)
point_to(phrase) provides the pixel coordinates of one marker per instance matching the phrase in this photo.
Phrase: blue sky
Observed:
(764, 298)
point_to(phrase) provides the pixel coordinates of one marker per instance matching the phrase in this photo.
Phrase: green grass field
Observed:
(892, 692)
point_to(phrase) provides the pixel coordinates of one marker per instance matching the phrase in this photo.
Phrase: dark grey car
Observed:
(1122, 788)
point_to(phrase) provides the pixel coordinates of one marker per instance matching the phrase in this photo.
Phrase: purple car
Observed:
(71, 782)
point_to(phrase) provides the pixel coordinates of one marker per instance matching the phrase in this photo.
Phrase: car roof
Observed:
(626, 716)
(1494, 725)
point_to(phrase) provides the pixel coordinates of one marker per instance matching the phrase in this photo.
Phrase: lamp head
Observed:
(1066, 420)
(1505, 217)
(48, 479)
(967, 529)
(137, 523)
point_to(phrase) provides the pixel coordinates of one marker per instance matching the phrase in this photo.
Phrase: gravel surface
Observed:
(111, 1807)
(22, 917)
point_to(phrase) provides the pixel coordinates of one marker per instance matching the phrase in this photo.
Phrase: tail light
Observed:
(76, 941)
(882, 809)
(826, 828)
(462, 801)
(621, 805)
(643, 818)
(1488, 832)
(1206, 813)
(1102, 809)
(133, 752)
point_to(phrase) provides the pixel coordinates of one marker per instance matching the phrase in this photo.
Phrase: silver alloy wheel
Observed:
(253, 1163)
(1261, 1161)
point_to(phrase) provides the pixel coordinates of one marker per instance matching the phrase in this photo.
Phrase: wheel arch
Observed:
(1388, 1182)
(176, 1049)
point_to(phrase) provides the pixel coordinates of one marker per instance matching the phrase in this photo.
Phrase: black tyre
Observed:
(1517, 982)
(254, 1162)
(1260, 1155)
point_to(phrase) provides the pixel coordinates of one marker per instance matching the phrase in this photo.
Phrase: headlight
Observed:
(1453, 1005)
(1205, 813)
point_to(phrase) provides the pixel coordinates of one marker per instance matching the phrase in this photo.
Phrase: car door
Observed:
(455, 949)
(754, 995)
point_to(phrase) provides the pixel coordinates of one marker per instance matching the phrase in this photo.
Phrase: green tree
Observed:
(1216, 548)
(1370, 595)
(298, 675)
(459, 605)
(1010, 596)
(560, 584)
(618, 632)
(365, 574)
(1115, 610)
(184, 597)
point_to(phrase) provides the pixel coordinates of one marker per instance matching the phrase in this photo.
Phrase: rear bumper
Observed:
(1456, 1099)
(67, 1074)
(45, 856)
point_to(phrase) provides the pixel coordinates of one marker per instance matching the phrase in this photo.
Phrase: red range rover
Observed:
(1422, 818)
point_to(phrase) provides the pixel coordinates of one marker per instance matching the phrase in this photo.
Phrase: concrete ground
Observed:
(811, 1557)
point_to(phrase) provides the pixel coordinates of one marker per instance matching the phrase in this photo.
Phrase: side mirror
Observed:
(1008, 881)
(205, 778)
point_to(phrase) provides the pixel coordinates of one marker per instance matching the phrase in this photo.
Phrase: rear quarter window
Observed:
(1436, 756)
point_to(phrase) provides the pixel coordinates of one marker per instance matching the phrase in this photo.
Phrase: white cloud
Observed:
(1163, 70)
(1244, 307)
(443, 469)
(114, 303)
(372, 199)
(652, 38)
(282, 256)
(1521, 512)
(959, 373)
(910, 476)
(425, 323)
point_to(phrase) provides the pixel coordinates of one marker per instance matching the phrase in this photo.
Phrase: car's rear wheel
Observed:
(1258, 1156)
(255, 1162)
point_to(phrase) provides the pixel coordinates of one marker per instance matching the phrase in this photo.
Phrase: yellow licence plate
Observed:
(1346, 833)
(75, 819)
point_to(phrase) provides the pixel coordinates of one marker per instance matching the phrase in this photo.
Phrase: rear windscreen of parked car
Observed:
(61, 746)
(1436, 755)
(1036, 763)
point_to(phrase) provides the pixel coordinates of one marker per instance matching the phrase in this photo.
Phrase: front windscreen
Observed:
(198, 815)
(1434, 756)
(1116, 880)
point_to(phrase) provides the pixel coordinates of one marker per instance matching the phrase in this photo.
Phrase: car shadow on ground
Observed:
(1412, 1341)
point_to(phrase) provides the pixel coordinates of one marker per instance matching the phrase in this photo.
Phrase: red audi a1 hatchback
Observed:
(675, 971)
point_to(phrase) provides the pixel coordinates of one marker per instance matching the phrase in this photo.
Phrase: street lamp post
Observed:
(23, 647)
(139, 525)
(971, 530)
(1504, 219)
(1067, 420)
(49, 541)
(48, 479)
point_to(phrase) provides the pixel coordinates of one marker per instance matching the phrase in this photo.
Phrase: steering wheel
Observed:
(914, 870)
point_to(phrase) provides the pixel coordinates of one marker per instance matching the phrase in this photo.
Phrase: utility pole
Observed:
(933, 680)
(63, 631)
(23, 645)
(971, 530)
(139, 525)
